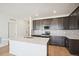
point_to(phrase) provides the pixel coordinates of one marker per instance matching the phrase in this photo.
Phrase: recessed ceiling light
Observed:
(54, 11)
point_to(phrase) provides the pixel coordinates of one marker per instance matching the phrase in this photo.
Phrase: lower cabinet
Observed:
(57, 40)
(74, 46)
(67, 43)
(71, 44)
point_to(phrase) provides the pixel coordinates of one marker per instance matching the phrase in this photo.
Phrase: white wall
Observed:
(20, 28)
(3, 26)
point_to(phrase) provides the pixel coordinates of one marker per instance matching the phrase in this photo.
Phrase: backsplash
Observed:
(72, 34)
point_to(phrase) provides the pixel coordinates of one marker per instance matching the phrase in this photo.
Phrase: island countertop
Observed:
(29, 46)
(35, 40)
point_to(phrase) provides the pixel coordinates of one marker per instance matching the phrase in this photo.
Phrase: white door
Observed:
(12, 30)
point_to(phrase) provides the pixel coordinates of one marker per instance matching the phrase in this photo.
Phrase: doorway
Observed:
(12, 30)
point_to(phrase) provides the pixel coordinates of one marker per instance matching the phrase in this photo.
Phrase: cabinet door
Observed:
(67, 43)
(60, 24)
(57, 40)
(74, 46)
(77, 21)
(63, 23)
(74, 20)
(66, 23)
(73, 23)
(54, 24)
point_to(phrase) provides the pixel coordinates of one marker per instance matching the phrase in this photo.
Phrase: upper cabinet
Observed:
(53, 24)
(63, 23)
(73, 23)
(56, 24)
(74, 20)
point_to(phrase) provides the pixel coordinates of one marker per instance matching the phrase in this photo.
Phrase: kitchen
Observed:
(60, 30)
(43, 29)
(55, 32)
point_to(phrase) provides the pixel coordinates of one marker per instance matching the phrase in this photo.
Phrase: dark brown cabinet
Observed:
(71, 44)
(74, 20)
(66, 23)
(74, 46)
(63, 23)
(73, 23)
(60, 23)
(67, 42)
(57, 40)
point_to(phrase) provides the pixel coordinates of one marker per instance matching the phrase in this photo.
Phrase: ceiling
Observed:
(37, 10)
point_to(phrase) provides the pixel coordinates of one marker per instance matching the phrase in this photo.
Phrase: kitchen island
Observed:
(31, 46)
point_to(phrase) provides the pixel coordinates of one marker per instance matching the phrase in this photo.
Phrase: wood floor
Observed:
(4, 51)
(58, 51)
(52, 51)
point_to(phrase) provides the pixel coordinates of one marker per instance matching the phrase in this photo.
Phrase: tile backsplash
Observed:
(72, 34)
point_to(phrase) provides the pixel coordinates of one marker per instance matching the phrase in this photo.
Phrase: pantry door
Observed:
(12, 30)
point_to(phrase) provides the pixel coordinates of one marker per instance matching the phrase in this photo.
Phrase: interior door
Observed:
(12, 30)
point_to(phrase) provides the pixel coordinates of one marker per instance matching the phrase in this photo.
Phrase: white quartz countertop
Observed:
(35, 40)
